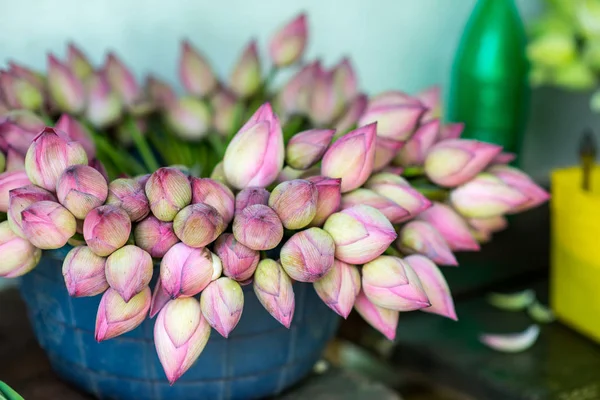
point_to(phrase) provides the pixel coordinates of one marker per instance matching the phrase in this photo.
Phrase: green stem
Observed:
(124, 163)
(270, 77)
(392, 252)
(292, 127)
(142, 145)
(412, 172)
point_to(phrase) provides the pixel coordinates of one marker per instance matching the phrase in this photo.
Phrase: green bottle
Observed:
(489, 91)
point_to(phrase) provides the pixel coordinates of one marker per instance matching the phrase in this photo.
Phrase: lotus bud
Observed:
(434, 284)
(80, 189)
(294, 96)
(78, 133)
(15, 137)
(20, 199)
(103, 105)
(129, 195)
(159, 298)
(353, 112)
(295, 202)
(66, 89)
(394, 98)
(189, 118)
(195, 73)
(10, 181)
(325, 103)
(339, 287)
(307, 148)
(239, 262)
(255, 155)
(185, 271)
(274, 290)
(422, 238)
(382, 319)
(504, 158)
(361, 233)
(489, 225)
(84, 272)
(168, 191)
(251, 196)
(258, 227)
(14, 160)
(430, 98)
(155, 236)
(106, 229)
(116, 316)
(214, 193)
(397, 122)
(129, 271)
(453, 162)
(47, 225)
(78, 63)
(198, 225)
(451, 131)
(159, 92)
(391, 283)
(328, 198)
(385, 151)
(19, 93)
(351, 158)
(245, 78)
(389, 208)
(225, 111)
(222, 303)
(522, 182)
(486, 196)
(308, 255)
(35, 77)
(18, 255)
(121, 80)
(287, 45)
(414, 151)
(345, 80)
(400, 192)
(180, 334)
(453, 228)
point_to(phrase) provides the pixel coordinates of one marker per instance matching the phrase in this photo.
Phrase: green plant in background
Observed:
(7, 393)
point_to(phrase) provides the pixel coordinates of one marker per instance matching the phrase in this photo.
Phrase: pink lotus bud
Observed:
(160, 93)
(351, 158)
(396, 122)
(80, 189)
(78, 63)
(121, 80)
(19, 93)
(345, 80)
(520, 181)
(129, 194)
(295, 202)
(18, 255)
(255, 155)
(168, 191)
(10, 181)
(35, 77)
(66, 90)
(180, 334)
(129, 271)
(451, 131)
(185, 271)
(213, 193)
(15, 137)
(453, 228)
(251, 196)
(389, 208)
(189, 118)
(414, 151)
(325, 102)
(307, 148)
(194, 71)
(239, 262)
(382, 319)
(398, 190)
(49, 155)
(504, 158)
(258, 227)
(339, 288)
(431, 98)
(20, 199)
(455, 161)
(295, 94)
(155, 236)
(78, 133)
(328, 198)
(422, 238)
(103, 105)
(385, 151)
(116, 316)
(198, 225)
(353, 112)
(106, 228)
(394, 98)
(222, 303)
(225, 111)
(487, 226)
(434, 284)
(84, 272)
(159, 298)
(308, 255)
(361, 234)
(245, 78)
(486, 196)
(274, 290)
(287, 45)
(47, 225)
(391, 283)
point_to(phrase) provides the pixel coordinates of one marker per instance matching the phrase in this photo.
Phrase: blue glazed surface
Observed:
(260, 358)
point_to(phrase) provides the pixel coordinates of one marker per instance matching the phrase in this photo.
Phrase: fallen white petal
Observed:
(511, 342)
(540, 313)
(512, 301)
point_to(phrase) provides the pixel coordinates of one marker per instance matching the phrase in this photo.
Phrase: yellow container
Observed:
(575, 257)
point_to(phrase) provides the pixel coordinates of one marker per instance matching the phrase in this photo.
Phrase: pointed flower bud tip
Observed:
(394, 121)
(80, 189)
(274, 290)
(414, 151)
(116, 316)
(382, 319)
(422, 238)
(215, 194)
(222, 303)
(129, 271)
(195, 72)
(65, 88)
(307, 148)
(185, 271)
(239, 262)
(328, 198)
(245, 78)
(339, 287)
(287, 45)
(453, 228)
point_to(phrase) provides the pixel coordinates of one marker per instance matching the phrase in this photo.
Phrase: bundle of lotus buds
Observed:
(360, 197)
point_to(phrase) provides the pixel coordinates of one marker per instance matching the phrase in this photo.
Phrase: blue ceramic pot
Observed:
(260, 358)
